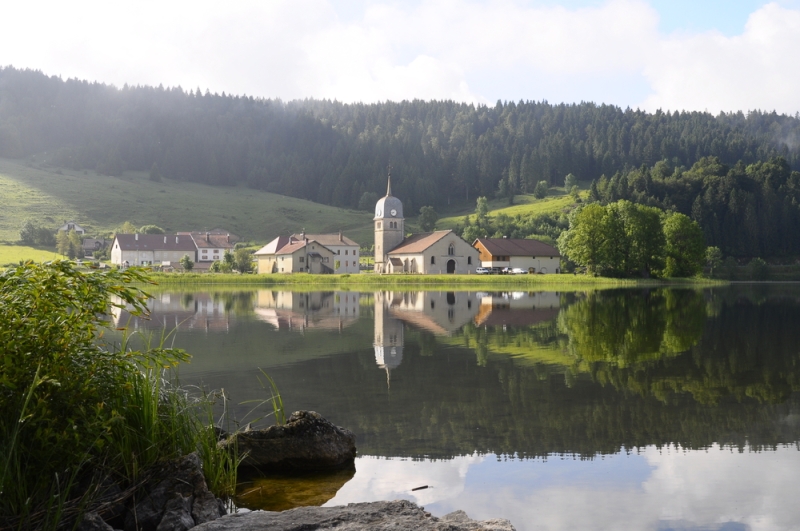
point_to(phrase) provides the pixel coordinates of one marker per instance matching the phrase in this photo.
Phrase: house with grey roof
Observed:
(210, 247)
(151, 249)
(70, 226)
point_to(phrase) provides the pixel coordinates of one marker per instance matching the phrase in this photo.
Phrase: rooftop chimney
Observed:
(136, 236)
(176, 238)
(165, 239)
(208, 237)
(340, 234)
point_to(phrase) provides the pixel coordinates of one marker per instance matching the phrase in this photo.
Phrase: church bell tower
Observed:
(389, 227)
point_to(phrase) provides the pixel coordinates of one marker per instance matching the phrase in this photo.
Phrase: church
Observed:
(429, 253)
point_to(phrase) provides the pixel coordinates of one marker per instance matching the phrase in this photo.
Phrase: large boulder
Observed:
(306, 442)
(176, 499)
(375, 516)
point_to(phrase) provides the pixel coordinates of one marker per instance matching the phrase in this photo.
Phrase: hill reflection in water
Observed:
(476, 380)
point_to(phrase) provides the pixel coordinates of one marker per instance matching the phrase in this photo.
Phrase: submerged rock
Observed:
(375, 516)
(306, 442)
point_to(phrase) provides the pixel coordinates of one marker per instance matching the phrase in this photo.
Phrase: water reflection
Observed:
(279, 492)
(492, 395)
(327, 310)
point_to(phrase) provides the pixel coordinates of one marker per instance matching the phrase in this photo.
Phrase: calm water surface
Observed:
(652, 409)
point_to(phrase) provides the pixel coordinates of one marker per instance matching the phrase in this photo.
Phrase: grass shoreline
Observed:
(305, 280)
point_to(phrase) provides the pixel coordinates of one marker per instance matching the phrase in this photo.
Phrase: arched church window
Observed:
(451, 250)
(433, 260)
(379, 224)
(469, 260)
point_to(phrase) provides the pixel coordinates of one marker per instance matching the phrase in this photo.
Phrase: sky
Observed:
(706, 55)
(666, 489)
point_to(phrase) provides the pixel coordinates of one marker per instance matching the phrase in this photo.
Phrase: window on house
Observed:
(469, 260)
(433, 259)
(345, 252)
(346, 263)
(379, 224)
(451, 250)
(302, 259)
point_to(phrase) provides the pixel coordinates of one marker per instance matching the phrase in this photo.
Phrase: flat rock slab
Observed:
(375, 516)
(306, 442)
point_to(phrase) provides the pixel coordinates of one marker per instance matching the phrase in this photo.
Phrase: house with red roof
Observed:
(290, 254)
(531, 255)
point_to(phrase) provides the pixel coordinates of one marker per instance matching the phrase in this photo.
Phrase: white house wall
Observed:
(347, 256)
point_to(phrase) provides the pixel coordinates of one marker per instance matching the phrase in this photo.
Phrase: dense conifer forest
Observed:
(731, 172)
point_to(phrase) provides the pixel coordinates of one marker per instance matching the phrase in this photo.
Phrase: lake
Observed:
(643, 409)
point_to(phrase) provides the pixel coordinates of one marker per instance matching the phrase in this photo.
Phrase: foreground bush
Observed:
(75, 412)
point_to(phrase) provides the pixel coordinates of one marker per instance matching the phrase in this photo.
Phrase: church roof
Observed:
(419, 242)
(387, 203)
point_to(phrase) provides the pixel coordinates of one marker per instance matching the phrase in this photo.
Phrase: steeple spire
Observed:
(389, 184)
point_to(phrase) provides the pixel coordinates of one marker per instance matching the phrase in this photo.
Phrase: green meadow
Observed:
(101, 203)
(13, 254)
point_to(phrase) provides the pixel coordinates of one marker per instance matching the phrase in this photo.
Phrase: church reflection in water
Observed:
(444, 313)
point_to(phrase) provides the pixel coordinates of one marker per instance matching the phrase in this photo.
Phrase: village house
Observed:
(93, 245)
(210, 247)
(151, 249)
(344, 249)
(288, 254)
(70, 226)
(427, 253)
(531, 255)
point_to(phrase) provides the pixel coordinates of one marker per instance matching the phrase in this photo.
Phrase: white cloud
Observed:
(685, 489)
(759, 69)
(391, 479)
(467, 50)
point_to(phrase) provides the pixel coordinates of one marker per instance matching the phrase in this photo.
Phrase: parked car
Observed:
(481, 271)
(518, 271)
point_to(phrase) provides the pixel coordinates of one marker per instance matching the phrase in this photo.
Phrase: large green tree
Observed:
(427, 218)
(584, 242)
(685, 246)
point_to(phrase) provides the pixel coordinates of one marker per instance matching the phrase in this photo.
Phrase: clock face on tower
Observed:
(394, 212)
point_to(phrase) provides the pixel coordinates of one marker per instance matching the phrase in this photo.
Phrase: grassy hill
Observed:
(556, 202)
(101, 203)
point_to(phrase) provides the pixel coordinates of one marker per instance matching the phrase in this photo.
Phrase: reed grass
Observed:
(76, 413)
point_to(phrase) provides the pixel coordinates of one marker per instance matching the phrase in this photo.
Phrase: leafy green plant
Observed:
(73, 410)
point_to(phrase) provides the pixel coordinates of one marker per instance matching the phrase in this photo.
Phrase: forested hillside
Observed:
(442, 152)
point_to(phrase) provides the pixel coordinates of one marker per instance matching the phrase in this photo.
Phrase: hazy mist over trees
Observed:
(333, 153)
(731, 173)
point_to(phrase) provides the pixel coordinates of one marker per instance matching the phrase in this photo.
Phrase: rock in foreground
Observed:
(306, 442)
(376, 516)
